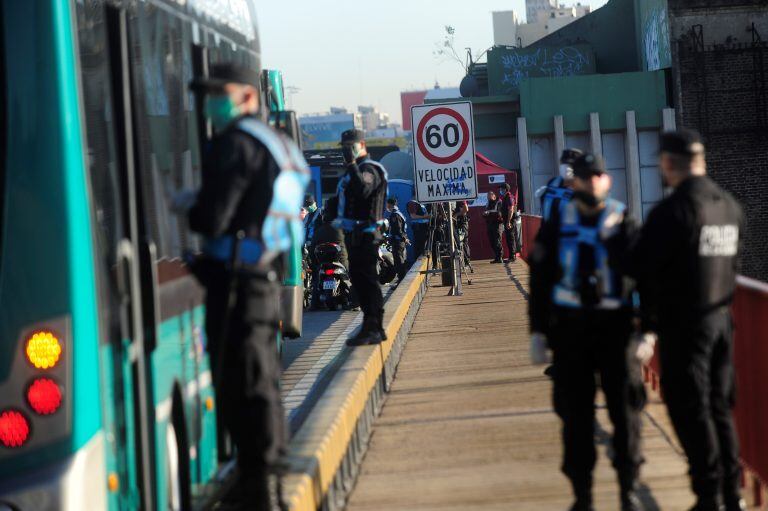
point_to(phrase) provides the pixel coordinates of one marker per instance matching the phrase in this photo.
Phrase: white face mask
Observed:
(566, 172)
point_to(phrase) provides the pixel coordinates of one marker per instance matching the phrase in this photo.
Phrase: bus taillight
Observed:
(14, 428)
(43, 350)
(44, 396)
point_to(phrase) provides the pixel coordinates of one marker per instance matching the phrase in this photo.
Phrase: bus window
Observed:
(166, 126)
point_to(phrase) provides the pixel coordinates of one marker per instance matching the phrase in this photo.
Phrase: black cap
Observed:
(309, 199)
(569, 155)
(352, 136)
(392, 200)
(588, 165)
(683, 142)
(224, 73)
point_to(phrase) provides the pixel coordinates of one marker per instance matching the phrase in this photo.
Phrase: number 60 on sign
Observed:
(444, 152)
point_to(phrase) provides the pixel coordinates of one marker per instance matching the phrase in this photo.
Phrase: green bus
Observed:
(106, 400)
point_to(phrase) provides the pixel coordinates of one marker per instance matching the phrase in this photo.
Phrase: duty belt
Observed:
(349, 225)
(222, 249)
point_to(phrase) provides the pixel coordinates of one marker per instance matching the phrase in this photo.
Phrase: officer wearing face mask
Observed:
(581, 309)
(686, 260)
(362, 192)
(559, 187)
(253, 182)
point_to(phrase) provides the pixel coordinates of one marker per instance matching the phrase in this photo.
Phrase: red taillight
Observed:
(44, 396)
(14, 428)
(330, 272)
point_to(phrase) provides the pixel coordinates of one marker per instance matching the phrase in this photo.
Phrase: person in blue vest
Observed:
(581, 311)
(398, 236)
(246, 225)
(312, 218)
(559, 187)
(362, 192)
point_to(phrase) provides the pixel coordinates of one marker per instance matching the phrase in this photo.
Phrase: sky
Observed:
(347, 53)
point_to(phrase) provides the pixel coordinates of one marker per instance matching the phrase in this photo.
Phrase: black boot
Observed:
(582, 505)
(583, 493)
(369, 333)
(708, 503)
(630, 501)
(734, 502)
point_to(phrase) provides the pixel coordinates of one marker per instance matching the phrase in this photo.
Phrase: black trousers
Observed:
(400, 256)
(420, 236)
(363, 256)
(494, 236)
(512, 239)
(586, 346)
(699, 389)
(248, 377)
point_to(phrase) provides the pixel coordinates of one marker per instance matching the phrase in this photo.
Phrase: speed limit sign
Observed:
(444, 152)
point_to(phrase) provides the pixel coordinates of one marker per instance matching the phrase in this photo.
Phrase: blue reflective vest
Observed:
(554, 194)
(282, 226)
(606, 284)
(347, 224)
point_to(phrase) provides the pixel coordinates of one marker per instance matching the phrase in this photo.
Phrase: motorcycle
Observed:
(308, 277)
(334, 286)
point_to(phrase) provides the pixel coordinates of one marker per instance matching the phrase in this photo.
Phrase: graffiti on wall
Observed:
(517, 65)
(655, 44)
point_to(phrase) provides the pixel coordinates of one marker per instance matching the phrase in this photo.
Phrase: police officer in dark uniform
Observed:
(312, 218)
(559, 187)
(492, 216)
(362, 192)
(509, 215)
(398, 236)
(240, 272)
(581, 309)
(686, 260)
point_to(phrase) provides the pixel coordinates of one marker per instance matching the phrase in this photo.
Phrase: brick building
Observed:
(719, 75)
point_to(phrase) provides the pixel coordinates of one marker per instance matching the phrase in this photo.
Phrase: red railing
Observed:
(750, 318)
(531, 226)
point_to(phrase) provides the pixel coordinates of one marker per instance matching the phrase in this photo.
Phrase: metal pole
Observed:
(455, 276)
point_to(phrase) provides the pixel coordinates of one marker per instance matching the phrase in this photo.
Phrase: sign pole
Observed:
(455, 276)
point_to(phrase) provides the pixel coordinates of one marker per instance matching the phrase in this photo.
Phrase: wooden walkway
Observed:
(469, 422)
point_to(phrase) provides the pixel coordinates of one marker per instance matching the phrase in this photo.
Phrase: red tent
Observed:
(489, 177)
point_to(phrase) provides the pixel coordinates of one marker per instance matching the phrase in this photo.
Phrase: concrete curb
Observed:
(325, 453)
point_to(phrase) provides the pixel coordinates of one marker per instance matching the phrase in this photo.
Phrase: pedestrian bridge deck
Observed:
(468, 423)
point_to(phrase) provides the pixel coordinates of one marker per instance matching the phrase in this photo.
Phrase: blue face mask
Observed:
(221, 110)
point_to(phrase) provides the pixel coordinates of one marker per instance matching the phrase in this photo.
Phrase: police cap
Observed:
(352, 137)
(683, 142)
(569, 155)
(224, 73)
(588, 165)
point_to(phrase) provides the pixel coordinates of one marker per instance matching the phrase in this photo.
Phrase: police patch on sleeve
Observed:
(368, 177)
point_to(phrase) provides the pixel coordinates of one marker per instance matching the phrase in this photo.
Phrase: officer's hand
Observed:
(540, 353)
(643, 345)
(348, 152)
(182, 201)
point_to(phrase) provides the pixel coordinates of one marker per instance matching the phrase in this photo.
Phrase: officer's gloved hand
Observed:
(643, 345)
(182, 201)
(348, 152)
(540, 353)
